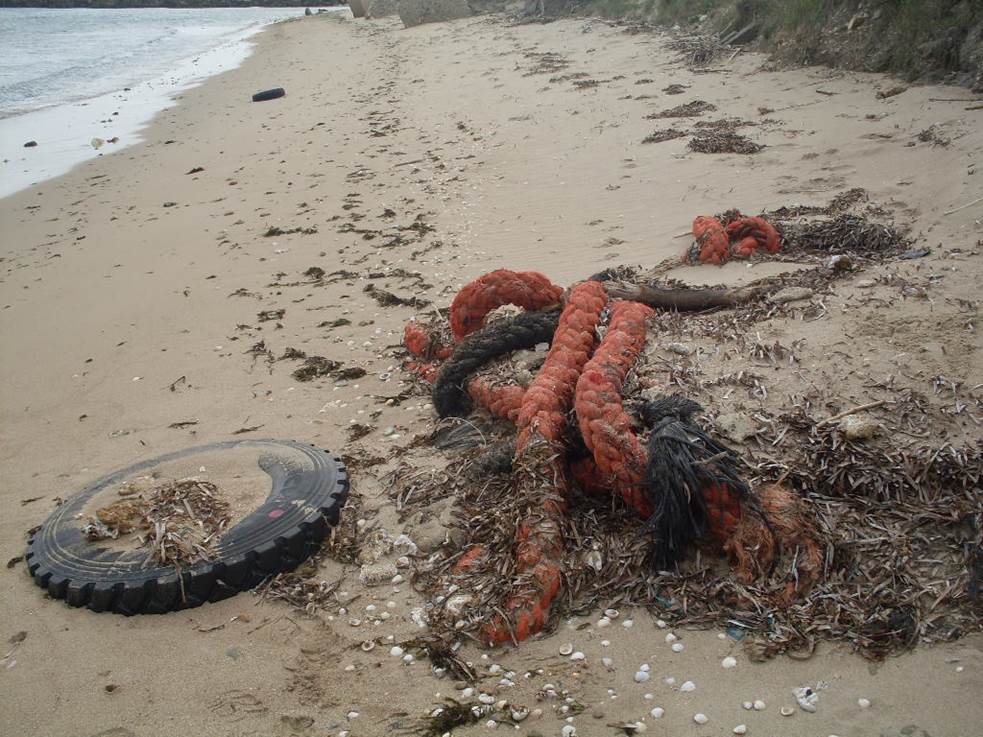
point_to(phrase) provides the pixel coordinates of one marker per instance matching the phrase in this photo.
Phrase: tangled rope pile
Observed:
(684, 484)
(741, 237)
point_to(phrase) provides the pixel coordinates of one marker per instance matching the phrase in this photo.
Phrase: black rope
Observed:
(523, 331)
(682, 461)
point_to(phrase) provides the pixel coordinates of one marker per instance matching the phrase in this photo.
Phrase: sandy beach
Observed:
(415, 160)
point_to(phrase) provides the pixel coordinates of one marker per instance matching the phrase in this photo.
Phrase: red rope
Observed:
(529, 290)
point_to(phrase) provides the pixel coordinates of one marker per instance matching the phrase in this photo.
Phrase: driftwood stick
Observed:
(963, 207)
(684, 300)
(845, 413)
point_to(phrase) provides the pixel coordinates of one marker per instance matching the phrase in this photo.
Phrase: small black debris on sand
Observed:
(675, 89)
(314, 272)
(267, 315)
(689, 110)
(273, 231)
(664, 134)
(293, 354)
(388, 299)
(315, 367)
(931, 135)
(722, 142)
(340, 322)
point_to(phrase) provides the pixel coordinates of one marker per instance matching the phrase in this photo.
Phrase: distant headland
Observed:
(108, 4)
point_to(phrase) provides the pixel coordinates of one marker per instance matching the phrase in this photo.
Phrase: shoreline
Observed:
(133, 292)
(63, 131)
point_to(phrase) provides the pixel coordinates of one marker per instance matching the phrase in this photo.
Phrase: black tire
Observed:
(303, 504)
(269, 94)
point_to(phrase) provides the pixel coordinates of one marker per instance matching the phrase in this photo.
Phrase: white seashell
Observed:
(518, 713)
(645, 667)
(611, 613)
(670, 681)
(605, 643)
(397, 579)
(740, 729)
(786, 711)
(485, 698)
(368, 646)
(687, 687)
(648, 697)
(506, 682)
(349, 668)
(636, 727)
(370, 608)
(670, 638)
(700, 718)
(661, 624)
(759, 705)
(568, 730)
(352, 714)
(603, 622)
(396, 651)
(501, 704)
(641, 676)
(806, 697)
(628, 624)
(491, 724)
(607, 662)
(566, 649)
(494, 669)
(729, 662)
(408, 658)
(384, 616)
(578, 656)
(748, 705)
(467, 693)
(677, 647)
(863, 703)
(658, 712)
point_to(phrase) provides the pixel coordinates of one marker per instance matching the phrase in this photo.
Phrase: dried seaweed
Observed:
(664, 134)
(722, 141)
(178, 521)
(688, 110)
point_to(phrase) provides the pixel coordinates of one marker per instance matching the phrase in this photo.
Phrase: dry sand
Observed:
(111, 295)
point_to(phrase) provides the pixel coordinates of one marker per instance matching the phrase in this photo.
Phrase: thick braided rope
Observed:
(527, 289)
(604, 424)
(540, 468)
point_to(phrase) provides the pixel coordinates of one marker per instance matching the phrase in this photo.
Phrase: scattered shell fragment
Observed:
(687, 687)
(787, 711)
(611, 613)
(856, 427)
(519, 713)
(636, 727)
(566, 649)
(700, 718)
(607, 662)
(759, 705)
(408, 658)
(645, 667)
(578, 656)
(670, 638)
(485, 698)
(740, 729)
(677, 647)
(641, 676)
(368, 646)
(729, 662)
(806, 697)
(658, 712)
(628, 623)
(863, 703)
(396, 651)
(748, 705)
(603, 622)
(568, 730)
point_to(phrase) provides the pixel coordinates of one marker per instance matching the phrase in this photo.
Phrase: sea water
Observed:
(65, 72)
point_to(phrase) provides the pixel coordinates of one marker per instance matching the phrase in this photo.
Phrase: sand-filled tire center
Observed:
(307, 488)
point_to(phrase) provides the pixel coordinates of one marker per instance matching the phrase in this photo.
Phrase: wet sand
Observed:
(133, 292)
